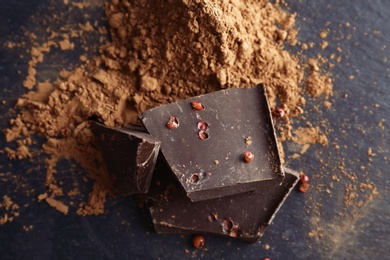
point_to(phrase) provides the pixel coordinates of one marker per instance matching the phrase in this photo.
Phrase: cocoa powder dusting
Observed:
(9, 210)
(160, 52)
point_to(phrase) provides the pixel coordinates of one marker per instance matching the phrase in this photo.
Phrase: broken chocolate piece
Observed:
(130, 157)
(244, 216)
(218, 132)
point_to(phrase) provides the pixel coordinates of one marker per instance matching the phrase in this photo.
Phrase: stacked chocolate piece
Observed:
(219, 170)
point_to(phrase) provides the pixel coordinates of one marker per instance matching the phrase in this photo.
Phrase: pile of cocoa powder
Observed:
(160, 52)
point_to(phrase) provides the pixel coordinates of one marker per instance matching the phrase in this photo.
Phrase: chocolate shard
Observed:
(244, 216)
(204, 139)
(130, 157)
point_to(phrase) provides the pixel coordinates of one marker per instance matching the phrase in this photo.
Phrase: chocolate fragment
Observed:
(218, 132)
(244, 216)
(130, 157)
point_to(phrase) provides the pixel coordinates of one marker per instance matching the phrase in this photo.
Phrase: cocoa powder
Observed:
(160, 52)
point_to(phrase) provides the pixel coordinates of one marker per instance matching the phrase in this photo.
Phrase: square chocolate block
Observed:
(244, 216)
(130, 157)
(208, 141)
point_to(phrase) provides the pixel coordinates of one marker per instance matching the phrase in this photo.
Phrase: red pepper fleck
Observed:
(304, 187)
(248, 156)
(173, 123)
(203, 126)
(203, 135)
(198, 241)
(303, 178)
(279, 112)
(227, 225)
(197, 105)
(194, 178)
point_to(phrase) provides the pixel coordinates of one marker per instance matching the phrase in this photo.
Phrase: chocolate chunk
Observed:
(244, 216)
(130, 157)
(204, 139)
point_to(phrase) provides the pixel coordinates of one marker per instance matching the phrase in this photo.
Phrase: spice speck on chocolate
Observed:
(248, 156)
(203, 135)
(173, 123)
(197, 105)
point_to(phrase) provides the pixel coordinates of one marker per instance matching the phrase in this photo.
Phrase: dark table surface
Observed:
(314, 225)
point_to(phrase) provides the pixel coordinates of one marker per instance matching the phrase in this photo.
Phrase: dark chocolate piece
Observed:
(130, 157)
(212, 132)
(244, 216)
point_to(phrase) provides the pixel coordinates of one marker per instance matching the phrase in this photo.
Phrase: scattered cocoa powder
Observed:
(307, 136)
(28, 228)
(10, 209)
(156, 56)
